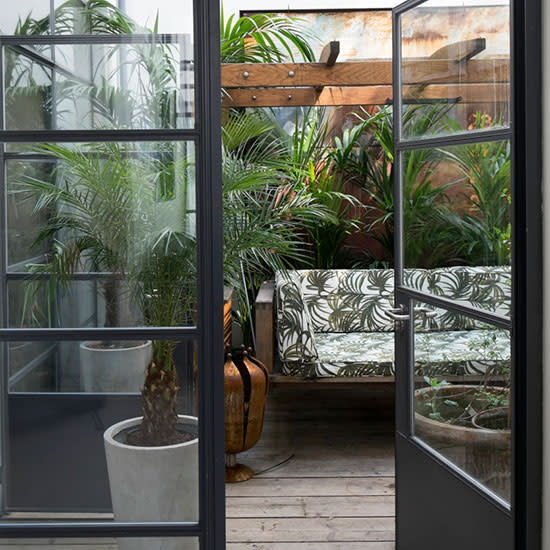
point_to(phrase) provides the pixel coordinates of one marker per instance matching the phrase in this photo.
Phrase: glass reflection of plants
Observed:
(457, 405)
(437, 234)
(106, 213)
(484, 231)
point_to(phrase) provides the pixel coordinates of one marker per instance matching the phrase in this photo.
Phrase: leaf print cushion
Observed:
(295, 336)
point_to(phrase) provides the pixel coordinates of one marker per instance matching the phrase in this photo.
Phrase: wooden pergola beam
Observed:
(460, 52)
(363, 73)
(360, 95)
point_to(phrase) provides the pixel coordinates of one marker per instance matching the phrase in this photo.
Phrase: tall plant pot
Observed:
(114, 369)
(153, 483)
(246, 383)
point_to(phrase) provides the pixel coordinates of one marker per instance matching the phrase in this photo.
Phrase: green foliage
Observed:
(372, 168)
(265, 214)
(312, 165)
(264, 38)
(483, 233)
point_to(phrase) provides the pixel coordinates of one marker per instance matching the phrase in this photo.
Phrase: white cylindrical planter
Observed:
(153, 484)
(105, 370)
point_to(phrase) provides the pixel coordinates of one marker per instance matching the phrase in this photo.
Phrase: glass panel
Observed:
(462, 394)
(105, 17)
(457, 222)
(64, 396)
(26, 17)
(101, 544)
(455, 63)
(127, 17)
(101, 86)
(123, 210)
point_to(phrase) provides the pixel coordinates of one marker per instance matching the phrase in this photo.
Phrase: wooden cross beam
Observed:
(449, 73)
(359, 95)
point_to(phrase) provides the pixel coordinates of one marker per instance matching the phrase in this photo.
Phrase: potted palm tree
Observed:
(87, 230)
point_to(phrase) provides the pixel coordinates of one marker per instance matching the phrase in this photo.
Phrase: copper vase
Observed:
(246, 383)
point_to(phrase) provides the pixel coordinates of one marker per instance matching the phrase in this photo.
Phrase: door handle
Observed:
(397, 314)
(428, 313)
(401, 314)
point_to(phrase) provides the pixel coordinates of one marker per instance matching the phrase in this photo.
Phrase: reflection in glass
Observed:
(142, 84)
(93, 17)
(462, 394)
(123, 211)
(81, 389)
(458, 59)
(457, 212)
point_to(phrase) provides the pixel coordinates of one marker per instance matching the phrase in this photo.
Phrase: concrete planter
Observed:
(153, 483)
(106, 370)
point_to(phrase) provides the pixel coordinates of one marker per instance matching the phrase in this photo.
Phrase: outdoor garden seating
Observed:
(333, 322)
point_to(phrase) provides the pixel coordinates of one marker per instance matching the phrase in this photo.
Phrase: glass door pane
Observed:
(462, 397)
(455, 71)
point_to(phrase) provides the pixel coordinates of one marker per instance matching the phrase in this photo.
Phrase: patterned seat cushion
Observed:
(437, 353)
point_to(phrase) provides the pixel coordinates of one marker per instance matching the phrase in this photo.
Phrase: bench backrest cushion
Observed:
(295, 335)
(488, 288)
(353, 300)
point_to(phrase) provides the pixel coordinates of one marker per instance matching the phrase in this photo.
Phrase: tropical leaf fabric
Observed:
(295, 335)
(332, 322)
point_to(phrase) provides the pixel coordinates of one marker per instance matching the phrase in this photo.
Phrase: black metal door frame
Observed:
(206, 135)
(519, 527)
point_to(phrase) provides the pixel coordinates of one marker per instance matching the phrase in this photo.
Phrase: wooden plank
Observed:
(337, 467)
(62, 544)
(265, 324)
(330, 53)
(313, 487)
(324, 383)
(385, 545)
(362, 73)
(311, 530)
(360, 95)
(310, 507)
(460, 52)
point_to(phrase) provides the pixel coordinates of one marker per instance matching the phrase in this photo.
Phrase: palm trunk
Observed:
(160, 418)
(111, 294)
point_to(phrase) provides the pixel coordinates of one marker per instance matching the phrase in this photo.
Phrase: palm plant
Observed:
(483, 231)
(424, 202)
(264, 38)
(113, 208)
(264, 212)
(313, 165)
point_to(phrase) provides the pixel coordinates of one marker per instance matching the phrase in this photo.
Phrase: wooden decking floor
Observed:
(324, 477)
(325, 474)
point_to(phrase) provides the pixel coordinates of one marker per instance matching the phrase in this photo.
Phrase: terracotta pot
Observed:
(482, 453)
(246, 383)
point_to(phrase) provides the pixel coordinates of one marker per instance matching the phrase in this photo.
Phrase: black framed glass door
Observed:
(111, 271)
(455, 193)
